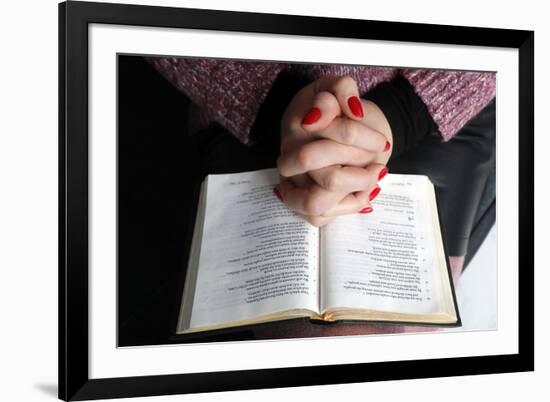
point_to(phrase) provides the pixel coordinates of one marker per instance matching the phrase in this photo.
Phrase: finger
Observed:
(309, 112)
(301, 180)
(311, 201)
(358, 202)
(371, 194)
(347, 179)
(321, 153)
(350, 132)
(353, 203)
(346, 92)
(317, 221)
(323, 111)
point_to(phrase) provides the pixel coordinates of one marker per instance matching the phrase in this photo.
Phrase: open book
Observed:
(253, 260)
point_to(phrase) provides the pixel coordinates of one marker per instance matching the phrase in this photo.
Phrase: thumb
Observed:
(346, 92)
(324, 110)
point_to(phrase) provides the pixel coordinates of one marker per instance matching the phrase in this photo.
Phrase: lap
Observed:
(459, 169)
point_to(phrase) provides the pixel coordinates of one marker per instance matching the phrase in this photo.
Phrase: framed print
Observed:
(221, 222)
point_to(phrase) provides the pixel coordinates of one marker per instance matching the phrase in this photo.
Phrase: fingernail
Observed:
(374, 193)
(382, 173)
(366, 210)
(387, 147)
(278, 193)
(312, 116)
(355, 105)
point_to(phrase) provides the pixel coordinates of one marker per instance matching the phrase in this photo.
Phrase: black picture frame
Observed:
(74, 380)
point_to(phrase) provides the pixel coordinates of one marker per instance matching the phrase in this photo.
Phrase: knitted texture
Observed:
(452, 97)
(366, 78)
(231, 92)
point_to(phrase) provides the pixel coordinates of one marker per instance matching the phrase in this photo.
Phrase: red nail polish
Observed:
(387, 147)
(374, 193)
(312, 116)
(278, 193)
(382, 173)
(366, 210)
(355, 105)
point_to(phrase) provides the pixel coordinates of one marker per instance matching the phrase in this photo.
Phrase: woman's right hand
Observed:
(334, 147)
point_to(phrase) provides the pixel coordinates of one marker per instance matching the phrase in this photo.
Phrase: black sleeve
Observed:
(406, 113)
(265, 132)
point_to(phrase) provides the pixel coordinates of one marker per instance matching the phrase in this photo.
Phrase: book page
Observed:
(257, 257)
(386, 260)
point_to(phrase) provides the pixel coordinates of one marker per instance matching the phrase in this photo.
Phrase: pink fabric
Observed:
(306, 329)
(452, 97)
(456, 264)
(231, 92)
(366, 77)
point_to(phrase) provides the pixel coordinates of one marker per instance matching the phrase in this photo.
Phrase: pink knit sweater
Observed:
(231, 92)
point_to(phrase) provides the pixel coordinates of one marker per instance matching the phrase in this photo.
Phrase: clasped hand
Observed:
(334, 150)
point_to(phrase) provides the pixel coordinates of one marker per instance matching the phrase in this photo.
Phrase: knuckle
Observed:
(315, 221)
(331, 181)
(327, 102)
(312, 206)
(378, 140)
(345, 81)
(305, 157)
(362, 197)
(323, 97)
(323, 221)
(282, 166)
(349, 133)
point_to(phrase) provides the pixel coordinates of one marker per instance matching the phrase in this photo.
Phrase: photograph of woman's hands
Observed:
(332, 131)
(334, 150)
